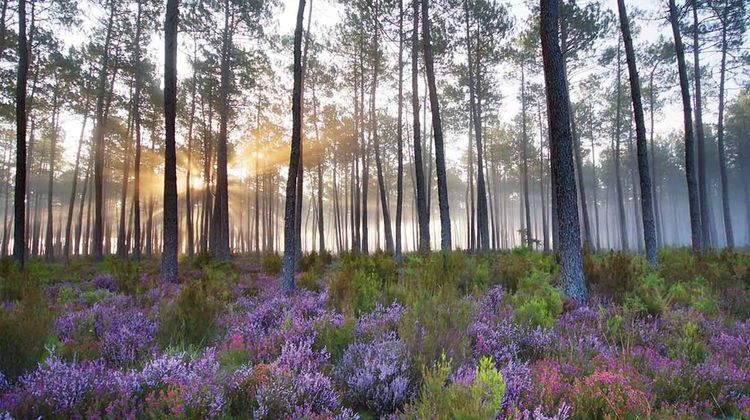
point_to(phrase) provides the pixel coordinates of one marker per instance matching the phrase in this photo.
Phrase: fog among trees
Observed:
(411, 125)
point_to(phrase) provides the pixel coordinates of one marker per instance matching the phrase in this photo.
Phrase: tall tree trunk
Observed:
(561, 155)
(578, 160)
(169, 252)
(654, 173)
(422, 210)
(647, 209)
(525, 159)
(49, 249)
(98, 240)
(692, 182)
(188, 182)
(437, 127)
(700, 136)
(365, 149)
(19, 196)
(221, 207)
(122, 251)
(137, 120)
(476, 117)
(71, 205)
(294, 158)
(542, 189)
(618, 179)
(399, 134)
(728, 231)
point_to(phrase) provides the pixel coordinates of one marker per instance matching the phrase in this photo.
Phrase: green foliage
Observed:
(272, 263)
(191, 319)
(479, 400)
(43, 272)
(649, 297)
(12, 283)
(436, 324)
(25, 327)
(232, 359)
(202, 259)
(356, 286)
(537, 303)
(614, 274)
(690, 344)
(334, 339)
(510, 267)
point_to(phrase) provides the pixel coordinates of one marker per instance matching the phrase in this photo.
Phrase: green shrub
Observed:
(25, 327)
(537, 303)
(357, 285)
(690, 345)
(272, 263)
(649, 297)
(436, 324)
(334, 339)
(309, 280)
(12, 283)
(509, 268)
(191, 319)
(439, 399)
(615, 274)
(202, 259)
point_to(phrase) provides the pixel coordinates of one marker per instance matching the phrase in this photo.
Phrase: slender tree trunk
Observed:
(49, 249)
(561, 156)
(647, 209)
(221, 206)
(692, 182)
(19, 204)
(170, 250)
(618, 178)
(294, 159)
(71, 205)
(422, 210)
(437, 127)
(399, 133)
(188, 186)
(728, 231)
(525, 159)
(700, 136)
(654, 173)
(99, 142)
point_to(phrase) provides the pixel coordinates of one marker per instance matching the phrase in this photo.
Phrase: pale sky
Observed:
(326, 14)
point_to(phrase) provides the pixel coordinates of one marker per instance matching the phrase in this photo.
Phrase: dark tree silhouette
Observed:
(169, 253)
(19, 196)
(424, 219)
(561, 155)
(692, 182)
(287, 281)
(647, 209)
(437, 127)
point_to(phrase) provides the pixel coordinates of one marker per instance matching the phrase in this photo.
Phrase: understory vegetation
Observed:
(448, 335)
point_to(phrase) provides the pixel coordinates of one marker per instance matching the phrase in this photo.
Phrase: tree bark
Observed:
(294, 158)
(647, 209)
(169, 252)
(19, 204)
(728, 231)
(700, 137)
(98, 240)
(221, 248)
(437, 126)
(423, 218)
(561, 156)
(692, 182)
(399, 133)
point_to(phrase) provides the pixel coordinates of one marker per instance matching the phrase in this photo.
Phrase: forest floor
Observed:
(449, 335)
